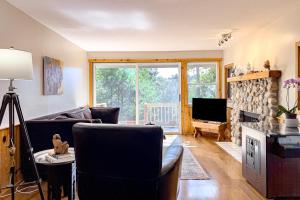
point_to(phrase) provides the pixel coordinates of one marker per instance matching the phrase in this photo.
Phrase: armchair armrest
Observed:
(171, 158)
(170, 173)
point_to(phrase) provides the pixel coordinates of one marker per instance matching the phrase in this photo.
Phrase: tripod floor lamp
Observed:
(16, 65)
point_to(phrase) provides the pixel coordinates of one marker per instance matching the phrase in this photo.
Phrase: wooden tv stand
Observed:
(210, 127)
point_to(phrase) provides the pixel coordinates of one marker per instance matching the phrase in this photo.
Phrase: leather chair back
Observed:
(118, 161)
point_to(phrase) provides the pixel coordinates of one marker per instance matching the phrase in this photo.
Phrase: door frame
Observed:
(297, 67)
(185, 115)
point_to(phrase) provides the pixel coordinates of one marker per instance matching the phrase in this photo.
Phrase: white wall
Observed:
(275, 42)
(22, 32)
(155, 54)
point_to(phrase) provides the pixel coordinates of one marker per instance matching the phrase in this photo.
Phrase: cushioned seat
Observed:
(125, 162)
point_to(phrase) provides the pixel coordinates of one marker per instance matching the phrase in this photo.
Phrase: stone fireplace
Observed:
(255, 97)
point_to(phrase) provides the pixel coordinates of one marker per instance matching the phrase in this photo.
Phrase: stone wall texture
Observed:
(258, 96)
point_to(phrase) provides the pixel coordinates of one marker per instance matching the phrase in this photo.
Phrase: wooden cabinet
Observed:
(269, 173)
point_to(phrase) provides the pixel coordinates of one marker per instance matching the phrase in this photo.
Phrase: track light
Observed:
(225, 38)
(229, 35)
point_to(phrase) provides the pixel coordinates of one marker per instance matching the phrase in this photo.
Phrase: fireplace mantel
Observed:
(256, 75)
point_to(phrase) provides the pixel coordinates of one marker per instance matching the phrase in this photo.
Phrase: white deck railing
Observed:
(163, 114)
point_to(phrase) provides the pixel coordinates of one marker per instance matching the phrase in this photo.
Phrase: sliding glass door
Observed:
(145, 92)
(159, 95)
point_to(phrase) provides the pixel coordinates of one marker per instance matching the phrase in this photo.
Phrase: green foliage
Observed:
(116, 87)
(154, 88)
(202, 81)
(282, 109)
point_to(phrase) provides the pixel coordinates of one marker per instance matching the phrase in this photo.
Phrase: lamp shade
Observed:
(15, 64)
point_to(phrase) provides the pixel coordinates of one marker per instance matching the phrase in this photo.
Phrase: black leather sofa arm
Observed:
(171, 158)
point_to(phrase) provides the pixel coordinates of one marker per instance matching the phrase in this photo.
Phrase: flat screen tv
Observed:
(209, 109)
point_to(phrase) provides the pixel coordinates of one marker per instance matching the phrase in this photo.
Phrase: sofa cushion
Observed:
(75, 115)
(107, 115)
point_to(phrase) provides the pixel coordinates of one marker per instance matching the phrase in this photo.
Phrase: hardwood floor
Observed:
(226, 181)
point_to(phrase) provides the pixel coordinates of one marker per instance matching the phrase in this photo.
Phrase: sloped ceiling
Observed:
(153, 25)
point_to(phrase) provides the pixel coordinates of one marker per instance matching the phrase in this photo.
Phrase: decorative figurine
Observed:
(232, 72)
(267, 65)
(59, 146)
(237, 71)
(248, 68)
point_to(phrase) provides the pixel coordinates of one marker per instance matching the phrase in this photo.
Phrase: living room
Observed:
(180, 100)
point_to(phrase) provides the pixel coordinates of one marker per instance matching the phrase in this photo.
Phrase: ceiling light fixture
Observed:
(225, 38)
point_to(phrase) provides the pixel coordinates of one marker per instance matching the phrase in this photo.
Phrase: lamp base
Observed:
(11, 88)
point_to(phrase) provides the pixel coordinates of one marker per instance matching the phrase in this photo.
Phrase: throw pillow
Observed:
(87, 114)
(107, 115)
(77, 115)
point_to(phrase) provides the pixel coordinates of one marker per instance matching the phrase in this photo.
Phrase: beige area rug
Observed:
(191, 168)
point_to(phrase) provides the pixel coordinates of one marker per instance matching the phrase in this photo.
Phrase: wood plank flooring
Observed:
(226, 181)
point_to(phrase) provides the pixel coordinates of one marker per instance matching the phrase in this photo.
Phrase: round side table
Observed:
(61, 173)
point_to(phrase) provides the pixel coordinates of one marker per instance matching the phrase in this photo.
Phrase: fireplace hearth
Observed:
(248, 116)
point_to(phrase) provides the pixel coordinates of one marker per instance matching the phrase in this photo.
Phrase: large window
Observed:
(145, 92)
(202, 80)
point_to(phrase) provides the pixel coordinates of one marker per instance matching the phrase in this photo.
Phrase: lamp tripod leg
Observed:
(28, 143)
(5, 101)
(12, 148)
(12, 181)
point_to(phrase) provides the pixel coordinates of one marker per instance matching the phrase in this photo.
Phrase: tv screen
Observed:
(209, 109)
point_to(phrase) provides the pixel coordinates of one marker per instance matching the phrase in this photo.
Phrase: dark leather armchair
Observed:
(118, 162)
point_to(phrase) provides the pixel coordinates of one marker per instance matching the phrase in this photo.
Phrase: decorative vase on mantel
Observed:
(291, 120)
